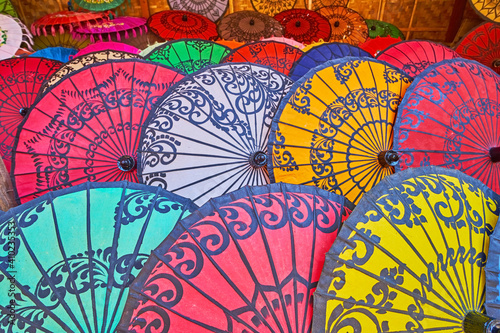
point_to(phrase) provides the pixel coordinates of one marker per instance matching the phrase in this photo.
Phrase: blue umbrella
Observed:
(58, 53)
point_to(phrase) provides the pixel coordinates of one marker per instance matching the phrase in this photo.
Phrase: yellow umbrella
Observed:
(334, 129)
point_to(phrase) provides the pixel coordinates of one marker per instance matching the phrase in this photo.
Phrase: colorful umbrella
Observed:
(71, 255)
(347, 25)
(6, 7)
(376, 45)
(232, 44)
(99, 5)
(58, 53)
(27, 36)
(177, 24)
(208, 135)
(305, 26)
(7, 199)
(118, 29)
(378, 28)
(272, 7)
(65, 21)
(492, 268)
(107, 46)
(188, 55)
(250, 259)
(321, 54)
(87, 126)
(62, 40)
(482, 44)
(450, 118)
(20, 81)
(334, 128)
(317, 4)
(211, 9)
(248, 26)
(487, 9)
(410, 258)
(285, 40)
(414, 56)
(11, 37)
(83, 61)
(279, 56)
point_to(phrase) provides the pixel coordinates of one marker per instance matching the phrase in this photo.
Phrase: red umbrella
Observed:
(249, 261)
(305, 26)
(87, 126)
(177, 24)
(376, 45)
(20, 81)
(280, 56)
(482, 44)
(248, 26)
(414, 56)
(65, 21)
(346, 24)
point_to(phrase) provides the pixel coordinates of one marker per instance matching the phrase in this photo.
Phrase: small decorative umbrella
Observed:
(279, 56)
(107, 46)
(59, 40)
(250, 259)
(65, 21)
(177, 24)
(248, 26)
(285, 40)
(188, 55)
(410, 258)
(87, 126)
(58, 53)
(317, 4)
(7, 8)
(376, 45)
(449, 117)
(20, 81)
(305, 26)
(487, 9)
(123, 27)
(272, 8)
(321, 54)
(334, 128)
(27, 36)
(482, 44)
(378, 28)
(211, 9)
(99, 5)
(71, 255)
(414, 56)
(346, 24)
(11, 37)
(208, 135)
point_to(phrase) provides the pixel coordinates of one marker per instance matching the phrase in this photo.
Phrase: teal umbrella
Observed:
(68, 257)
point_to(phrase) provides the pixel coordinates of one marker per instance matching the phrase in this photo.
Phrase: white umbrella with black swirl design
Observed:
(208, 134)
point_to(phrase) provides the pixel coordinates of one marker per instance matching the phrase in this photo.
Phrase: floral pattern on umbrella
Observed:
(346, 24)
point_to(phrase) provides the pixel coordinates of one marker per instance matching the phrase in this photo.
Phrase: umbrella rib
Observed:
(197, 166)
(19, 101)
(441, 137)
(30, 323)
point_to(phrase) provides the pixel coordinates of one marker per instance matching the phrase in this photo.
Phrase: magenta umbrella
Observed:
(124, 27)
(105, 46)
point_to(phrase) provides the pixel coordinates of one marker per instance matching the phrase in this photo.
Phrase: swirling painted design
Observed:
(272, 7)
(213, 9)
(248, 26)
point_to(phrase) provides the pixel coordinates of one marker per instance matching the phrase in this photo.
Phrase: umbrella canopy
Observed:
(248, 26)
(285, 40)
(492, 268)
(376, 45)
(317, 4)
(20, 80)
(414, 56)
(334, 128)
(188, 55)
(254, 256)
(75, 252)
(208, 135)
(107, 46)
(482, 44)
(27, 36)
(58, 53)
(123, 27)
(450, 118)
(6, 7)
(83, 61)
(87, 126)
(272, 7)
(177, 24)
(211, 9)
(11, 36)
(303, 25)
(321, 54)
(98, 6)
(346, 24)
(410, 257)
(378, 28)
(487, 9)
(279, 56)
(59, 40)
(65, 21)
(232, 44)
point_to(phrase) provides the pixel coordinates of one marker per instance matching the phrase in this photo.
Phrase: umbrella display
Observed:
(303, 25)
(107, 46)
(71, 255)
(20, 81)
(317, 4)
(279, 56)
(6, 7)
(321, 54)
(334, 128)
(83, 61)
(250, 259)
(248, 26)
(11, 37)
(98, 6)
(285, 40)
(482, 44)
(208, 135)
(65, 21)
(188, 55)
(87, 126)
(118, 29)
(59, 40)
(272, 7)
(411, 257)
(376, 45)
(211, 9)
(414, 56)
(450, 118)
(58, 53)
(177, 24)
(378, 28)
(347, 26)
(487, 9)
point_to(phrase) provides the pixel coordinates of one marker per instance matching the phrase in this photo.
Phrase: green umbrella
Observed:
(98, 6)
(188, 55)
(68, 257)
(383, 29)
(6, 7)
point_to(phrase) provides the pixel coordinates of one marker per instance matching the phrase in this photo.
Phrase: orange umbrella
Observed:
(347, 25)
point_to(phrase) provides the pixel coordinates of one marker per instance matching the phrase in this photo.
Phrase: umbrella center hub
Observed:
(373, 28)
(496, 63)
(336, 24)
(297, 24)
(495, 154)
(258, 159)
(126, 163)
(184, 17)
(252, 22)
(23, 111)
(388, 158)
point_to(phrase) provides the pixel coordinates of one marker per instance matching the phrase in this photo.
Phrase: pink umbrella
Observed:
(289, 41)
(121, 27)
(104, 46)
